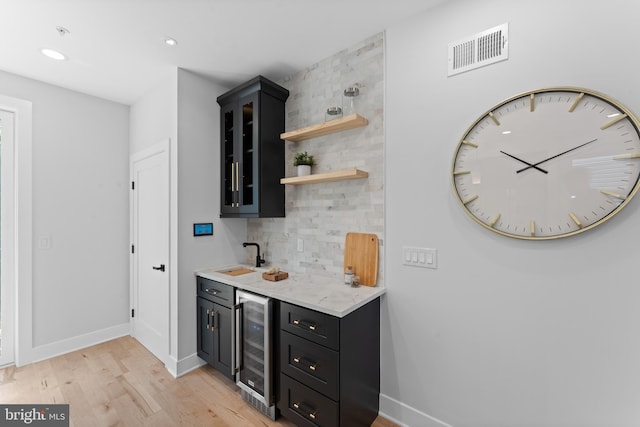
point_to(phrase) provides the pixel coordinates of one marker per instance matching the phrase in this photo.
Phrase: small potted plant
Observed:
(303, 161)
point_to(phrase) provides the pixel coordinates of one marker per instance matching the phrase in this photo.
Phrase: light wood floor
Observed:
(120, 383)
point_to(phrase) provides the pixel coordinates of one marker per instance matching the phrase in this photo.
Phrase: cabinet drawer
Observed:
(318, 327)
(304, 406)
(215, 291)
(311, 364)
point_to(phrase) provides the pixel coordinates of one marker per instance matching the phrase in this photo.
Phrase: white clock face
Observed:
(548, 163)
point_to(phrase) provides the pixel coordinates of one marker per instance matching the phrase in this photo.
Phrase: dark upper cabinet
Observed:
(251, 151)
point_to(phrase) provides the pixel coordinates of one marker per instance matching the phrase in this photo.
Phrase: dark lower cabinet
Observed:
(205, 335)
(306, 407)
(329, 367)
(215, 324)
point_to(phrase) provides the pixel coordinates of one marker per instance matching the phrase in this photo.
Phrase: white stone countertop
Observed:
(324, 294)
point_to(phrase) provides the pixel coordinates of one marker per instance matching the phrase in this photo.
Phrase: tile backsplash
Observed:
(321, 214)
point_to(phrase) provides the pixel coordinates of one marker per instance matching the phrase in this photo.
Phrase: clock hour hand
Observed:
(526, 163)
(557, 155)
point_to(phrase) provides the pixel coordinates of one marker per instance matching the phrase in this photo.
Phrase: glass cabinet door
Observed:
(229, 194)
(248, 153)
(239, 153)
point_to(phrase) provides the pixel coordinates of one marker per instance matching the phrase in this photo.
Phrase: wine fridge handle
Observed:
(237, 359)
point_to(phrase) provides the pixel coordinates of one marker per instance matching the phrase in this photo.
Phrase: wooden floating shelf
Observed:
(326, 128)
(326, 177)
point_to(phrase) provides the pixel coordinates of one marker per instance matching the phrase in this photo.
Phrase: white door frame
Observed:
(156, 149)
(7, 236)
(17, 272)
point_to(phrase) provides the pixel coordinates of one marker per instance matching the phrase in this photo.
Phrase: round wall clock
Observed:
(548, 163)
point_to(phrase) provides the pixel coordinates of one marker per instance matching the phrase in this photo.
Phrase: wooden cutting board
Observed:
(361, 253)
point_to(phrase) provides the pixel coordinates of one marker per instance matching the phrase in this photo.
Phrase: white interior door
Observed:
(7, 238)
(150, 239)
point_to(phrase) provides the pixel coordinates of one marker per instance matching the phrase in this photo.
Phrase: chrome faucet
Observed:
(259, 260)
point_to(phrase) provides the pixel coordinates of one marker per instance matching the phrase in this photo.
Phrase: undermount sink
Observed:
(236, 271)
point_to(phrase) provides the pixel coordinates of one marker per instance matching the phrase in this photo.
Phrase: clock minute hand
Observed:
(557, 155)
(522, 161)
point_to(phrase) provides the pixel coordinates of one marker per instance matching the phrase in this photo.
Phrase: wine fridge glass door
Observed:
(254, 345)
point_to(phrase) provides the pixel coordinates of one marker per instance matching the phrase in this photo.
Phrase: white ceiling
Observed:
(115, 48)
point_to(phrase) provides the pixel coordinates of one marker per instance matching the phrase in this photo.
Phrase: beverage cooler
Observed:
(254, 348)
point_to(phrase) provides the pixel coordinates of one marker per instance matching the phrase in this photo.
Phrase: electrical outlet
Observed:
(420, 257)
(300, 245)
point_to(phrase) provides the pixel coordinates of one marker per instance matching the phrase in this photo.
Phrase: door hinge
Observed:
(133, 249)
(133, 185)
(133, 313)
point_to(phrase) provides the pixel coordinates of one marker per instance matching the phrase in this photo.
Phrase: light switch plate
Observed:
(44, 242)
(420, 257)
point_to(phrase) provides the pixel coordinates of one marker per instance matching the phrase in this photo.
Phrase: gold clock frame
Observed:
(532, 93)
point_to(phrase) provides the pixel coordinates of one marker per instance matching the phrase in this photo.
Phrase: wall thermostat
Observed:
(203, 229)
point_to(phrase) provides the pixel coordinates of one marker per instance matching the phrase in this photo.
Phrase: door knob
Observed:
(161, 268)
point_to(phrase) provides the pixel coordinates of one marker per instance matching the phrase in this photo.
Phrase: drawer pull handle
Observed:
(311, 414)
(309, 326)
(312, 365)
(211, 291)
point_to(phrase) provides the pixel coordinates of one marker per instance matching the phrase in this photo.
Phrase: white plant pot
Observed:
(304, 170)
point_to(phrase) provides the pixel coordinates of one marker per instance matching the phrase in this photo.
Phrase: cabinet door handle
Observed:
(238, 183)
(238, 176)
(213, 319)
(233, 180)
(208, 318)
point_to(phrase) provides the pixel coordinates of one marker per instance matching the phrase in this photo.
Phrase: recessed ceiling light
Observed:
(53, 54)
(170, 42)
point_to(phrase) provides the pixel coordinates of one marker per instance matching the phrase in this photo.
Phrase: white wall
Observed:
(504, 332)
(199, 199)
(153, 117)
(80, 203)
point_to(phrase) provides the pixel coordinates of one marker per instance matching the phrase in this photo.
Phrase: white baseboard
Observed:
(47, 351)
(406, 416)
(177, 368)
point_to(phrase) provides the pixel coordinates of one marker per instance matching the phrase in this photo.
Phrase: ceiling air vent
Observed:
(481, 49)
